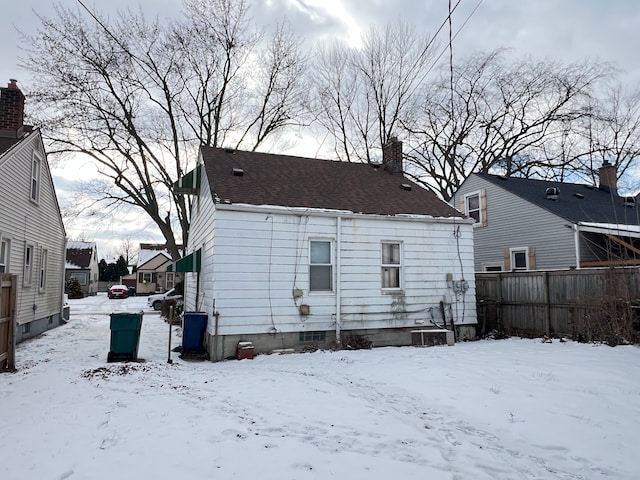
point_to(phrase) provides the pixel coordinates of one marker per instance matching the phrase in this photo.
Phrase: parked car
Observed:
(155, 299)
(132, 291)
(118, 291)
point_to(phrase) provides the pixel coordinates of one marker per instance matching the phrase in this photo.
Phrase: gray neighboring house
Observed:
(82, 264)
(525, 224)
(32, 235)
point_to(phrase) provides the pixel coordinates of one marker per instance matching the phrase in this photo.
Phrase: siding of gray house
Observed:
(39, 225)
(29, 223)
(512, 222)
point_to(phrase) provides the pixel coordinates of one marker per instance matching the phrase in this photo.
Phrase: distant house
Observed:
(151, 274)
(32, 235)
(82, 264)
(291, 252)
(525, 224)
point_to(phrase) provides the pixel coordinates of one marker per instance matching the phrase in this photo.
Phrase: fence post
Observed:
(499, 301)
(547, 305)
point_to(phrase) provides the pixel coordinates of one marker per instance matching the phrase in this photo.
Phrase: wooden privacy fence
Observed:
(7, 321)
(582, 304)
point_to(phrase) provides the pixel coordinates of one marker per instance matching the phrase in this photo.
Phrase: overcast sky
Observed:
(566, 30)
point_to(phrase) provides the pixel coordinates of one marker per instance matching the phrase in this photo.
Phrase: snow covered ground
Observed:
(508, 409)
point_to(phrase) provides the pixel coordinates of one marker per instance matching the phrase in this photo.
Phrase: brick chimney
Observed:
(392, 156)
(11, 111)
(607, 178)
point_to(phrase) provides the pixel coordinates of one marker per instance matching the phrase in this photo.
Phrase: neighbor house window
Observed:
(80, 276)
(391, 265)
(523, 258)
(147, 277)
(43, 270)
(493, 268)
(320, 266)
(4, 255)
(35, 178)
(28, 265)
(475, 206)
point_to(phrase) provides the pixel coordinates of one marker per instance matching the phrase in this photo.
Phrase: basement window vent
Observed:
(578, 195)
(238, 172)
(406, 186)
(229, 150)
(312, 336)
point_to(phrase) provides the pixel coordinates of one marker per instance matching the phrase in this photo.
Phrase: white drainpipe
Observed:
(338, 278)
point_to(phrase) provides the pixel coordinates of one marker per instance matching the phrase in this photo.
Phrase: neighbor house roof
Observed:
(80, 254)
(145, 256)
(6, 143)
(253, 178)
(575, 202)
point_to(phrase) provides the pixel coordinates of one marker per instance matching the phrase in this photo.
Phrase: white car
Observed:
(155, 299)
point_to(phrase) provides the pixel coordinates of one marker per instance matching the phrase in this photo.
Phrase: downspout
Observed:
(338, 279)
(576, 239)
(63, 306)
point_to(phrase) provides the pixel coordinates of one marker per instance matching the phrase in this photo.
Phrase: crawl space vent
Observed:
(406, 186)
(238, 172)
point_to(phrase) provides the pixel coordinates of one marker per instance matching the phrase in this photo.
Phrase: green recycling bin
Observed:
(125, 336)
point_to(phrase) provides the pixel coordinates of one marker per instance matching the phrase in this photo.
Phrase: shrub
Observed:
(73, 289)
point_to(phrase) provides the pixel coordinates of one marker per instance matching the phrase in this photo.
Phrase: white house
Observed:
(288, 252)
(32, 235)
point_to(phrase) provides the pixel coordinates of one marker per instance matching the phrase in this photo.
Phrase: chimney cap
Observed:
(13, 83)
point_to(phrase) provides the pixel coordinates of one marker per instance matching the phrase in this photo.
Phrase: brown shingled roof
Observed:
(81, 257)
(284, 180)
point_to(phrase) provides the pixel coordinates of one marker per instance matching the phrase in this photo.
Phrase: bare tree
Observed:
(498, 116)
(614, 132)
(361, 92)
(138, 97)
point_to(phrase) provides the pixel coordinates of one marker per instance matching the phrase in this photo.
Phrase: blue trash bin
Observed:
(194, 326)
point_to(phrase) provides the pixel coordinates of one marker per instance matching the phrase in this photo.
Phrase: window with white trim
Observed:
(519, 258)
(169, 280)
(43, 270)
(4, 255)
(391, 265)
(35, 178)
(28, 265)
(475, 206)
(320, 266)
